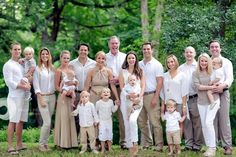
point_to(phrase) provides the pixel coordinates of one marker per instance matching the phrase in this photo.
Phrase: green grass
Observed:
(32, 151)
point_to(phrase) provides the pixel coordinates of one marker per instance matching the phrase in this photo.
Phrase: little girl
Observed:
(131, 91)
(105, 108)
(69, 90)
(87, 120)
(173, 119)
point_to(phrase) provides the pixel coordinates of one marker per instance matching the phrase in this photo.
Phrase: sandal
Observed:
(23, 147)
(12, 151)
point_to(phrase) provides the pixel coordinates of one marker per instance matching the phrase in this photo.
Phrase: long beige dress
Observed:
(65, 135)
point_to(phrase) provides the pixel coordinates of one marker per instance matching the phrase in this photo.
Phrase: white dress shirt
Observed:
(152, 70)
(105, 109)
(81, 70)
(87, 114)
(228, 71)
(115, 62)
(188, 70)
(13, 72)
(174, 88)
(44, 80)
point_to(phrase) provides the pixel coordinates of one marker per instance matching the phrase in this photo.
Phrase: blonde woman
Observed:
(65, 135)
(201, 80)
(174, 87)
(44, 85)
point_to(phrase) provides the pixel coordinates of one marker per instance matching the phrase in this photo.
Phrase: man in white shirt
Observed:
(81, 65)
(192, 127)
(115, 59)
(151, 111)
(18, 108)
(222, 120)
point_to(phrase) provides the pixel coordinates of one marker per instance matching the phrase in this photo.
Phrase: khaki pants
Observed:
(152, 115)
(222, 121)
(46, 113)
(193, 128)
(90, 131)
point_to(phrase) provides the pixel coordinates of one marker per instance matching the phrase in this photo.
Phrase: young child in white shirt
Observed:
(69, 90)
(87, 119)
(173, 119)
(105, 107)
(217, 78)
(132, 91)
(29, 64)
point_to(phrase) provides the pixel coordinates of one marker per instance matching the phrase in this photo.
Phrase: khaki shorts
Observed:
(173, 137)
(18, 109)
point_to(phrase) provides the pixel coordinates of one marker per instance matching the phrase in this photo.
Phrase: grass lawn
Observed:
(32, 151)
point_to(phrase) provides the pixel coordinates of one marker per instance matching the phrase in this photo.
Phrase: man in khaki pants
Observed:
(153, 72)
(222, 120)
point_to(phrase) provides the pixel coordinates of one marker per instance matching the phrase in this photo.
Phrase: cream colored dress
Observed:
(65, 135)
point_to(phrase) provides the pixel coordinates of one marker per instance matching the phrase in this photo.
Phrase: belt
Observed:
(147, 93)
(78, 91)
(47, 94)
(193, 96)
(117, 86)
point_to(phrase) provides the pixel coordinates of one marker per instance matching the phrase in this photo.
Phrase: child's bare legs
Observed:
(211, 99)
(73, 95)
(171, 149)
(177, 148)
(103, 146)
(109, 143)
(63, 95)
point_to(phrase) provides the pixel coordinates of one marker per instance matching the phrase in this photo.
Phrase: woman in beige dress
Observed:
(65, 135)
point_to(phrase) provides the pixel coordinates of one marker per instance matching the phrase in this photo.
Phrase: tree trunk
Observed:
(144, 20)
(157, 27)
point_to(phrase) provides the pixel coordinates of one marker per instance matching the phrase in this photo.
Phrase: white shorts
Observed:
(105, 130)
(67, 88)
(18, 109)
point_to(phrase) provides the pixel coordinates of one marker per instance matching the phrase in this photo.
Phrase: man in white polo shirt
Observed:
(222, 120)
(115, 59)
(151, 111)
(81, 65)
(18, 108)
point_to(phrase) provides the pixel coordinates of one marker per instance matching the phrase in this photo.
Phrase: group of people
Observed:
(194, 98)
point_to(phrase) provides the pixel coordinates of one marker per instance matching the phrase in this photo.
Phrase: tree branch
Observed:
(101, 6)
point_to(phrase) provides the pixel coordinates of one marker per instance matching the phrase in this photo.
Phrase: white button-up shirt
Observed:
(228, 71)
(13, 72)
(188, 70)
(81, 70)
(105, 109)
(115, 62)
(87, 114)
(152, 70)
(174, 88)
(44, 80)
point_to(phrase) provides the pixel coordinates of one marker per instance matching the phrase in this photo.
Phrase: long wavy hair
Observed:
(49, 64)
(137, 70)
(209, 63)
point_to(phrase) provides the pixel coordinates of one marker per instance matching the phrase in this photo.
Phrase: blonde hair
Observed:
(29, 49)
(209, 63)
(64, 52)
(191, 49)
(49, 62)
(100, 53)
(84, 92)
(175, 60)
(217, 60)
(132, 76)
(171, 102)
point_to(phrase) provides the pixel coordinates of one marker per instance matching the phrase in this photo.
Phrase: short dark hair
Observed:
(213, 41)
(83, 44)
(148, 43)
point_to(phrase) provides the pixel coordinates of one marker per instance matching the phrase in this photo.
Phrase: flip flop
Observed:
(23, 147)
(12, 152)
